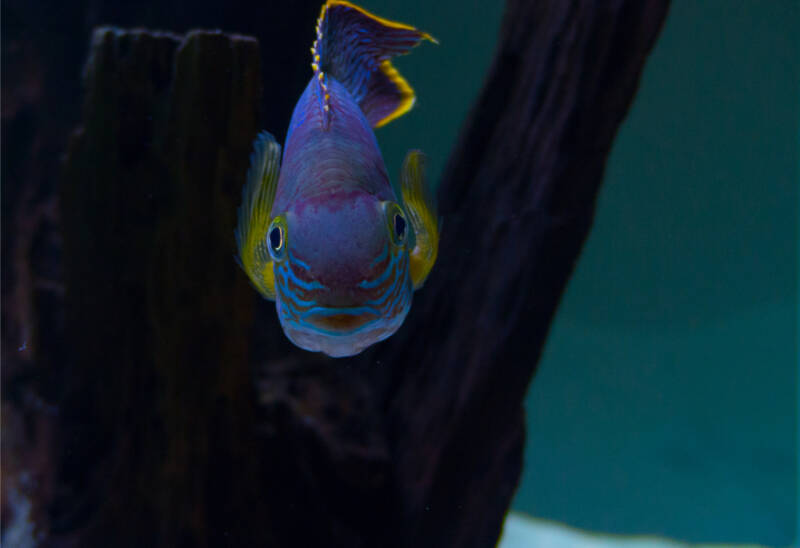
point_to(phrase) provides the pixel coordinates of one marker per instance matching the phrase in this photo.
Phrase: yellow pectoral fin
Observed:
(254, 214)
(421, 208)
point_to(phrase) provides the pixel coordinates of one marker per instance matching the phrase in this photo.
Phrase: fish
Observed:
(321, 231)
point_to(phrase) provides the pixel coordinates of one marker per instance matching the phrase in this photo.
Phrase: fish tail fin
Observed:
(356, 47)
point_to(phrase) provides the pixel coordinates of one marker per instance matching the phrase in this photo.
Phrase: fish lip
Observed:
(339, 343)
(341, 320)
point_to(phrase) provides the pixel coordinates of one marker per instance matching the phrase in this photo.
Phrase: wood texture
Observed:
(150, 445)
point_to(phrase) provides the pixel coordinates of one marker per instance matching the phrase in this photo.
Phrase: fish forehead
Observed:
(338, 235)
(344, 155)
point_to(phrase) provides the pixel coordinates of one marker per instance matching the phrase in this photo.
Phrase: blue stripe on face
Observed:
(380, 258)
(288, 274)
(296, 261)
(344, 330)
(399, 277)
(283, 281)
(399, 296)
(333, 311)
(390, 268)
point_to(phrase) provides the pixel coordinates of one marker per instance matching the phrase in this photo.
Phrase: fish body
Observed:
(321, 230)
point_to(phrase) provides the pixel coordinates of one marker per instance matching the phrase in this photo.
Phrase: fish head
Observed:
(342, 276)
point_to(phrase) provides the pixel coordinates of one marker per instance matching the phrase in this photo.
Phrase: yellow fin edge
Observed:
(386, 22)
(421, 209)
(407, 96)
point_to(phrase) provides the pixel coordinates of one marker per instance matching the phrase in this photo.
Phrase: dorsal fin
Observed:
(355, 47)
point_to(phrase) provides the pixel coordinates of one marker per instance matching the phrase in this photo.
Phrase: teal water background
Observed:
(666, 400)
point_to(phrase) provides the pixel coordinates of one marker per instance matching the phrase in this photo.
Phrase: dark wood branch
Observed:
(164, 435)
(518, 199)
(151, 436)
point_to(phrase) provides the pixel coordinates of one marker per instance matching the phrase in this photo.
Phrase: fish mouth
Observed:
(337, 331)
(341, 320)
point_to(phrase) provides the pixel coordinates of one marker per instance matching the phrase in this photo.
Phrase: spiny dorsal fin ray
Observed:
(254, 214)
(420, 204)
(355, 47)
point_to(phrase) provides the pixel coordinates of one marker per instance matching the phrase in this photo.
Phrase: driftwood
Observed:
(186, 418)
(518, 200)
(157, 317)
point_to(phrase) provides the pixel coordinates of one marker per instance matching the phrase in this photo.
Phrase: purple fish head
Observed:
(343, 282)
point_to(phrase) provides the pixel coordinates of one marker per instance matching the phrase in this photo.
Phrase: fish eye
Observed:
(396, 222)
(399, 226)
(276, 238)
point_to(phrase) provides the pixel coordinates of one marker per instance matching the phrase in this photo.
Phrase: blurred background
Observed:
(666, 402)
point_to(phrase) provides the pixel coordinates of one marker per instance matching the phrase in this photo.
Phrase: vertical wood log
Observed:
(157, 315)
